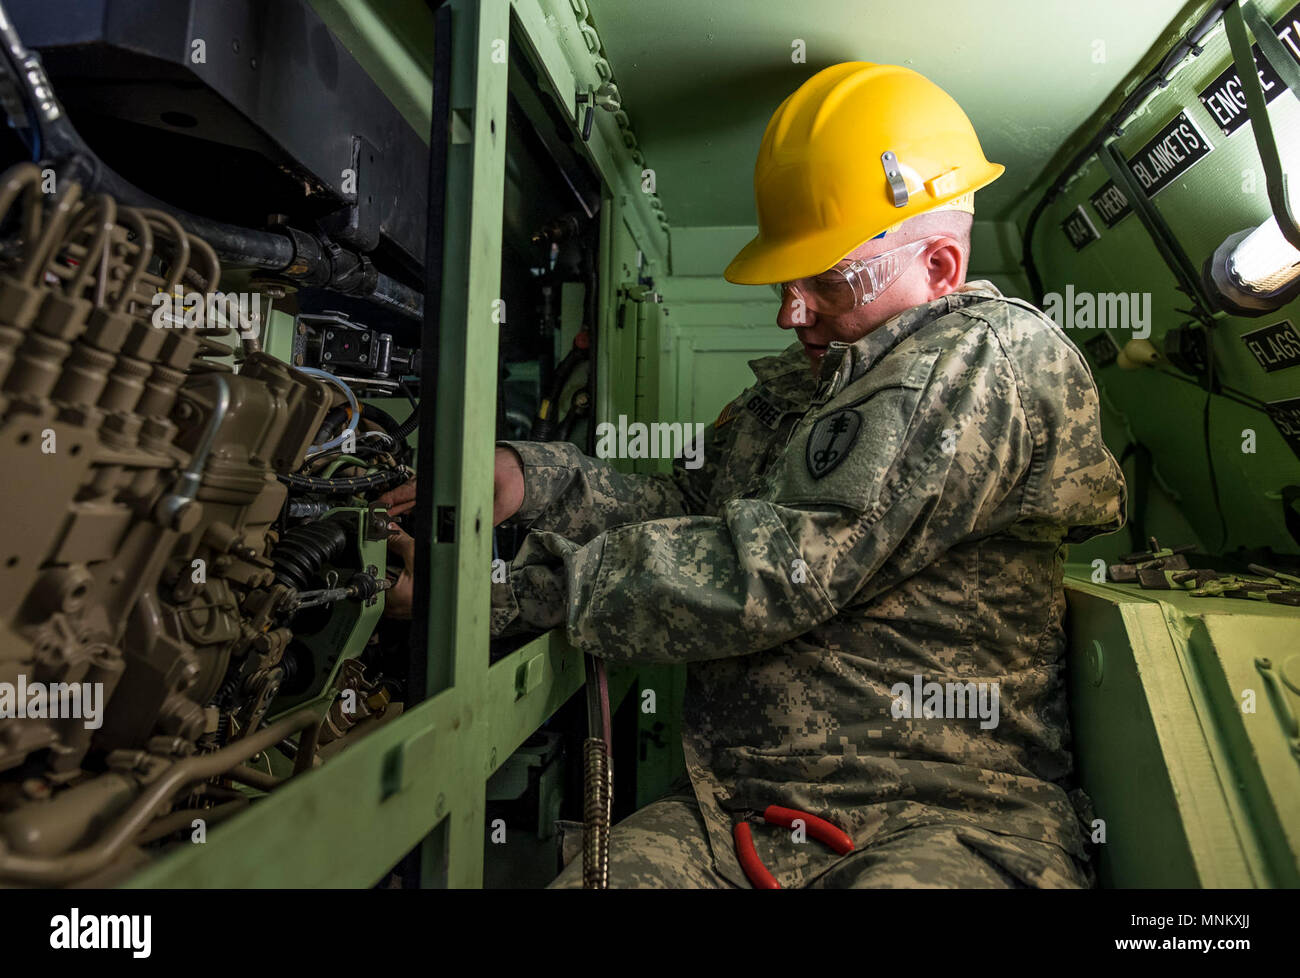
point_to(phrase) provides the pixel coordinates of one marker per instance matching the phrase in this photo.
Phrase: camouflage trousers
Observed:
(665, 846)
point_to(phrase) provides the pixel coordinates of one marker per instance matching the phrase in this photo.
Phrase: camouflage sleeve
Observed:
(576, 496)
(939, 453)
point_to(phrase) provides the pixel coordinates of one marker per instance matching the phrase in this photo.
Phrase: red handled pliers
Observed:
(820, 829)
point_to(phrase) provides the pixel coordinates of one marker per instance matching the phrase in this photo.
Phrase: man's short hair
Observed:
(956, 224)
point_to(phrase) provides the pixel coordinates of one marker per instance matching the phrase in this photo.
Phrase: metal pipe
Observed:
(306, 755)
(187, 486)
(77, 865)
(183, 819)
(254, 778)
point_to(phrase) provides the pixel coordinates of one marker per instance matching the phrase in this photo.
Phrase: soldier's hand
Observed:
(400, 598)
(507, 484)
(507, 489)
(399, 500)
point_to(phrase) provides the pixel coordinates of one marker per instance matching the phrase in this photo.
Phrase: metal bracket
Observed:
(606, 97)
(1161, 235)
(1235, 19)
(896, 184)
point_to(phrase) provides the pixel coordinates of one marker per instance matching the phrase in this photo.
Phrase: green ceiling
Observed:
(700, 77)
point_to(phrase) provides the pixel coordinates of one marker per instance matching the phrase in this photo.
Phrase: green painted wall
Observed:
(1221, 194)
(702, 79)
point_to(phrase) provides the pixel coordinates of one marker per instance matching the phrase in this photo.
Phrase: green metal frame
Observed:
(420, 779)
(1195, 790)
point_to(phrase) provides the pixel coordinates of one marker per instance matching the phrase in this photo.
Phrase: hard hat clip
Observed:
(896, 185)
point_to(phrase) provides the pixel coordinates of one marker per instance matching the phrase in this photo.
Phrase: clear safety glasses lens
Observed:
(845, 287)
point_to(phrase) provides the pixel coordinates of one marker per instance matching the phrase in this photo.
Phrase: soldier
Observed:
(865, 576)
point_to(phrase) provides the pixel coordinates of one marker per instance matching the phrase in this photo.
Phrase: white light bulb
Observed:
(1264, 261)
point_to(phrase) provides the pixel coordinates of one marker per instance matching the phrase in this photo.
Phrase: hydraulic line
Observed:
(598, 779)
(597, 799)
(56, 870)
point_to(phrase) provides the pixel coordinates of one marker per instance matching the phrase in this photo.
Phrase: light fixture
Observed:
(1254, 271)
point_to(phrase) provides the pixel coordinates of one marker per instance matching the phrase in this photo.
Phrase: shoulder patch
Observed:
(830, 440)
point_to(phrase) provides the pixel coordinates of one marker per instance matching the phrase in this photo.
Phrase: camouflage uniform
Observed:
(905, 516)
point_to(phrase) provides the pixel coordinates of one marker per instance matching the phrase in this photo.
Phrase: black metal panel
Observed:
(269, 119)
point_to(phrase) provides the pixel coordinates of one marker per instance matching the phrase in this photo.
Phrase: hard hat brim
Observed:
(762, 262)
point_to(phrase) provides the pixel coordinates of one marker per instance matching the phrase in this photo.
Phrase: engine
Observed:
(194, 563)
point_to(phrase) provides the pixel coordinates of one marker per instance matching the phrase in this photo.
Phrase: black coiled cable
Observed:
(345, 486)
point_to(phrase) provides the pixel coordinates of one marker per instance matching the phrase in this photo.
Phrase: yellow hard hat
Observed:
(857, 149)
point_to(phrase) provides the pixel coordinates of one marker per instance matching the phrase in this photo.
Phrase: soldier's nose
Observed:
(794, 312)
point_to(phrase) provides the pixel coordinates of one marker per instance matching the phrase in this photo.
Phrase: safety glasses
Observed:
(850, 284)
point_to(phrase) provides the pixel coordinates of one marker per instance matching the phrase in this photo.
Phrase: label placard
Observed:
(1169, 154)
(1110, 204)
(1224, 98)
(1275, 347)
(1078, 227)
(1286, 415)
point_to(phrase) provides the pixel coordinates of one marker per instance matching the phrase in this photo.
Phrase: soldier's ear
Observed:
(945, 264)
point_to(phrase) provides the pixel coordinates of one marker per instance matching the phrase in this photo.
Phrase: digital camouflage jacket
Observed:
(901, 522)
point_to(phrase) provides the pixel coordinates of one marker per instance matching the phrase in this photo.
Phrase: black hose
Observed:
(334, 421)
(395, 431)
(382, 418)
(235, 246)
(402, 299)
(544, 428)
(346, 486)
(303, 258)
(413, 419)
